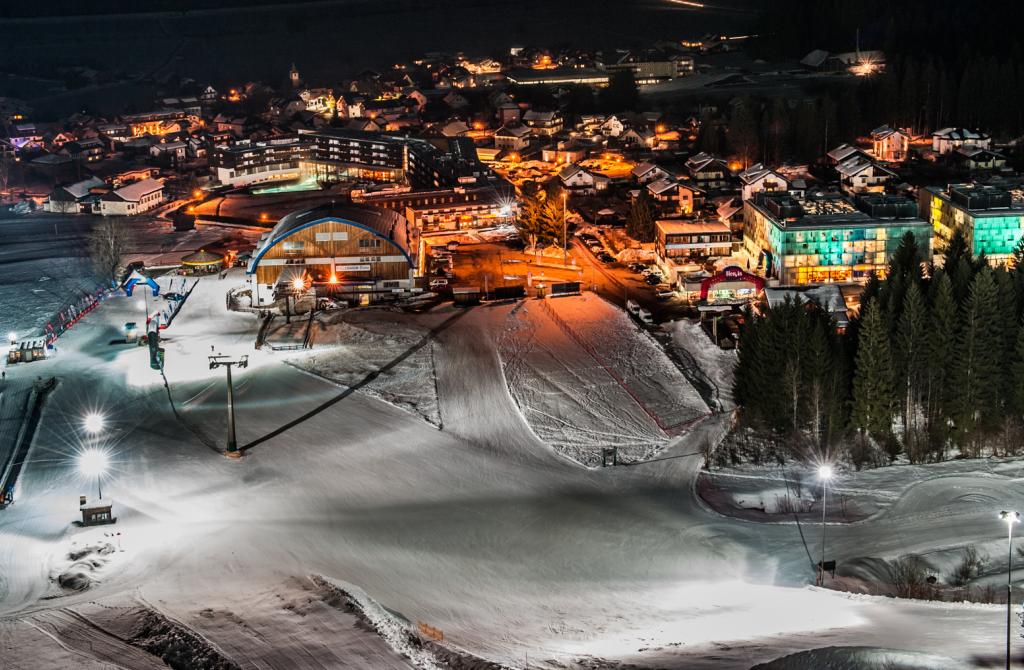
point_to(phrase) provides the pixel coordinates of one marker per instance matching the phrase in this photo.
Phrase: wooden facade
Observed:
(351, 253)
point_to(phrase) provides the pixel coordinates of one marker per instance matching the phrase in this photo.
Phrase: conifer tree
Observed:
(942, 338)
(873, 394)
(911, 362)
(978, 366)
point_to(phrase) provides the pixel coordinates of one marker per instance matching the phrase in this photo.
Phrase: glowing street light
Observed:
(825, 473)
(94, 463)
(93, 423)
(1010, 518)
(12, 337)
(298, 284)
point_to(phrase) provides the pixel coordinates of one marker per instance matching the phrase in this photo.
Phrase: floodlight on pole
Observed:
(93, 423)
(825, 473)
(94, 463)
(1010, 518)
(12, 337)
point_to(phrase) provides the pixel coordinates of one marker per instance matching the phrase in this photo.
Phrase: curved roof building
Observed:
(364, 252)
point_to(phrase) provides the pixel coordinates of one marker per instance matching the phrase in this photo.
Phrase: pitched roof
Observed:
(136, 190)
(661, 186)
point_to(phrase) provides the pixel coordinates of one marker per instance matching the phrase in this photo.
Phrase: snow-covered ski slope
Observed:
(479, 529)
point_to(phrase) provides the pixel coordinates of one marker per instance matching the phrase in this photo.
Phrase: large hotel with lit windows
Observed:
(991, 216)
(828, 237)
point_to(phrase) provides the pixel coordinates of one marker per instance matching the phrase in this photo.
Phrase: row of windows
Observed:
(300, 245)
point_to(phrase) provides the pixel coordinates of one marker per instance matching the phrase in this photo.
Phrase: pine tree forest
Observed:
(931, 369)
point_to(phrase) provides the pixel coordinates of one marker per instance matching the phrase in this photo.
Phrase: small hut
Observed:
(203, 262)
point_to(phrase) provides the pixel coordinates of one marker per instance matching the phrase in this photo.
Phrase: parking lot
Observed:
(491, 264)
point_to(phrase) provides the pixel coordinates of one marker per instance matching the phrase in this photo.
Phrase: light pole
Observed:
(218, 361)
(93, 463)
(1010, 518)
(565, 226)
(825, 474)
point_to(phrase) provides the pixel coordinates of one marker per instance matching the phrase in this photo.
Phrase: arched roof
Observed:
(383, 223)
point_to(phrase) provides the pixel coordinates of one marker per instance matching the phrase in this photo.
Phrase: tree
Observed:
(912, 363)
(530, 208)
(978, 367)
(873, 396)
(640, 219)
(108, 242)
(621, 94)
(942, 337)
(744, 134)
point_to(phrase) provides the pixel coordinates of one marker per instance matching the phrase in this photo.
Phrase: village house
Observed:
(975, 158)
(581, 181)
(758, 178)
(707, 171)
(512, 138)
(645, 173)
(845, 152)
(543, 123)
(135, 198)
(948, 140)
(860, 175)
(674, 197)
(890, 145)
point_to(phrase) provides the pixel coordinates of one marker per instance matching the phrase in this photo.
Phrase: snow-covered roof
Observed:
(80, 189)
(827, 296)
(136, 190)
(661, 186)
(842, 152)
(960, 134)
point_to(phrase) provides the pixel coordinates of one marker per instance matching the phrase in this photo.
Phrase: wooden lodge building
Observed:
(351, 251)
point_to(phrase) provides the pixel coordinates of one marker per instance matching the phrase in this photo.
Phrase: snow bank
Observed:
(397, 632)
(710, 362)
(860, 658)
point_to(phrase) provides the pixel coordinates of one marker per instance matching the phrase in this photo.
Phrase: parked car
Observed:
(654, 279)
(453, 245)
(648, 270)
(637, 267)
(665, 295)
(605, 257)
(440, 283)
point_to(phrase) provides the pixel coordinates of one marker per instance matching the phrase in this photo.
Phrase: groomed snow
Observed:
(480, 529)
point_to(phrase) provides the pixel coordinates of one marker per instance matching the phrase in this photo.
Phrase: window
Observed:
(370, 243)
(293, 245)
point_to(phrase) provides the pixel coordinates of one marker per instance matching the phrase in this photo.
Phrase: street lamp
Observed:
(825, 473)
(93, 463)
(1010, 518)
(565, 226)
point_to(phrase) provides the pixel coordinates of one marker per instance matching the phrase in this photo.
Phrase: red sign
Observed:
(731, 273)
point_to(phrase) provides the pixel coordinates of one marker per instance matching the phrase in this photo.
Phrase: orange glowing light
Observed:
(197, 194)
(264, 216)
(333, 279)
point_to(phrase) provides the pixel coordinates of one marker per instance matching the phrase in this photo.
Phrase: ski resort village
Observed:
(494, 336)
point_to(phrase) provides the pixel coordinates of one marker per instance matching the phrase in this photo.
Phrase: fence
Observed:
(71, 314)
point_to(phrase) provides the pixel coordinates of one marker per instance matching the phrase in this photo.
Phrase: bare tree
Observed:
(5, 169)
(108, 243)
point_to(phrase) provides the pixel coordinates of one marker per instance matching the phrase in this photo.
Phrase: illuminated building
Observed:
(948, 140)
(457, 208)
(160, 122)
(991, 217)
(558, 76)
(649, 66)
(826, 237)
(357, 252)
(135, 198)
(888, 144)
(679, 242)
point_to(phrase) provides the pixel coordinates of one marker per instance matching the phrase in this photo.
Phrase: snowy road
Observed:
(479, 529)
